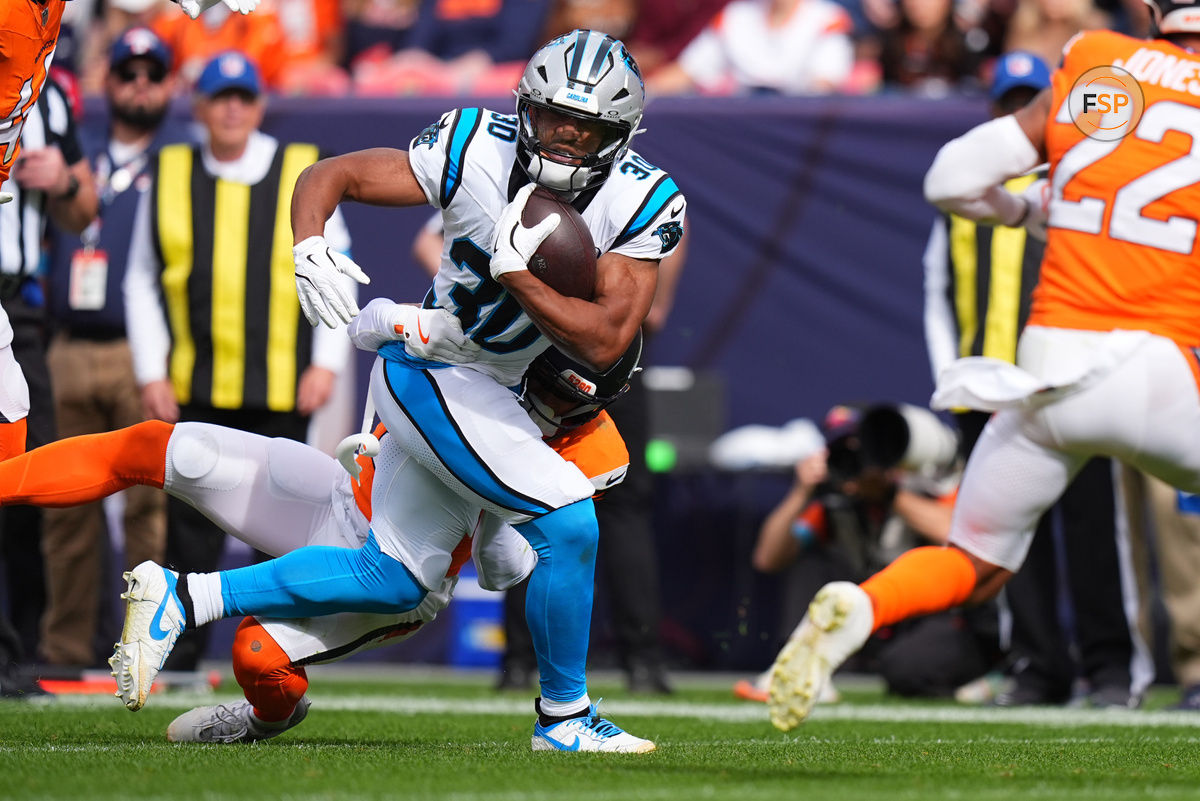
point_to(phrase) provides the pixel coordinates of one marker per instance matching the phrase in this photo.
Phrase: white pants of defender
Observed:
(277, 495)
(1145, 411)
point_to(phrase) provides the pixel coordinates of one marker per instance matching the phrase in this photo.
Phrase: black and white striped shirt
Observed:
(23, 221)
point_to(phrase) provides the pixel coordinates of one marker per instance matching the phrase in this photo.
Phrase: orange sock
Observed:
(12, 439)
(83, 469)
(920, 582)
(268, 679)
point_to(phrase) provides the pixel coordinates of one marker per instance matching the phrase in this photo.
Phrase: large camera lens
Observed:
(884, 435)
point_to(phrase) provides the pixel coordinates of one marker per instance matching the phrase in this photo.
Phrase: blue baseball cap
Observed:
(229, 70)
(139, 42)
(1016, 69)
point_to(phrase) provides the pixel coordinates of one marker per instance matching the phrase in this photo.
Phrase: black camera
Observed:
(905, 436)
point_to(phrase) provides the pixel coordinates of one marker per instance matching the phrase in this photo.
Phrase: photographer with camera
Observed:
(884, 483)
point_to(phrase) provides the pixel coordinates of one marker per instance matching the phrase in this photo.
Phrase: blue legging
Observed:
(558, 602)
(320, 580)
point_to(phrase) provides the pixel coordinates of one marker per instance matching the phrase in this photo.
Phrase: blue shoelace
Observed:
(601, 726)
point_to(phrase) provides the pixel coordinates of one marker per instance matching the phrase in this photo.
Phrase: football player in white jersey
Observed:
(579, 104)
(270, 655)
(278, 496)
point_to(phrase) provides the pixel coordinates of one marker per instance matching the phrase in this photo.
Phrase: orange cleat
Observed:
(747, 691)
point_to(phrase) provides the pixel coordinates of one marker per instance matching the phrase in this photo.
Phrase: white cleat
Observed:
(838, 622)
(154, 619)
(589, 732)
(230, 723)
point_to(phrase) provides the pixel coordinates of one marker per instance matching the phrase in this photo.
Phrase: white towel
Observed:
(987, 384)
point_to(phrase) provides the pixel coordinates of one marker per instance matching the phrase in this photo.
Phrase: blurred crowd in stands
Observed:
(711, 47)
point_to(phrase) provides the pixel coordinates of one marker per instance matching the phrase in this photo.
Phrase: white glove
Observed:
(515, 244)
(194, 8)
(437, 335)
(322, 296)
(433, 334)
(381, 321)
(1037, 195)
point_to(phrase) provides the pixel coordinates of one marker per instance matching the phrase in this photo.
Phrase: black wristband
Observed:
(72, 188)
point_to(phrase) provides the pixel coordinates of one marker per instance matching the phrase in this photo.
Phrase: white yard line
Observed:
(735, 713)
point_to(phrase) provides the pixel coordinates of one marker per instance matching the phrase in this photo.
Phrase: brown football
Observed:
(566, 261)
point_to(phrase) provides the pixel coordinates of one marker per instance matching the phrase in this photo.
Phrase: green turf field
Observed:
(453, 739)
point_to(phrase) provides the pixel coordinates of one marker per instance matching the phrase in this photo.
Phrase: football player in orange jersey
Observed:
(28, 36)
(1110, 359)
(278, 496)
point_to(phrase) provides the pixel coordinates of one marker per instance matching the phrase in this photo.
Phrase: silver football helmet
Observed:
(591, 78)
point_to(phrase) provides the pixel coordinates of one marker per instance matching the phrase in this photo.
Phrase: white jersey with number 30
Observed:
(467, 165)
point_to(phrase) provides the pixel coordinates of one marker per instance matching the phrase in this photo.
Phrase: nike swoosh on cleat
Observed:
(572, 747)
(156, 630)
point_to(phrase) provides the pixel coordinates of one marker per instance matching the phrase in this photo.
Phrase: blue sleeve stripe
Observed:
(656, 200)
(461, 135)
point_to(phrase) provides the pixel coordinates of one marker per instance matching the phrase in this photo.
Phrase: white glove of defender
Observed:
(194, 8)
(515, 244)
(322, 296)
(1037, 195)
(433, 334)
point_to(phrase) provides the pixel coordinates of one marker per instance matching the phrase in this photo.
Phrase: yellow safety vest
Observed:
(229, 281)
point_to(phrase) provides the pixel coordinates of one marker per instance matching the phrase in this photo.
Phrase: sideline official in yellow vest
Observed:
(210, 298)
(210, 295)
